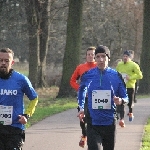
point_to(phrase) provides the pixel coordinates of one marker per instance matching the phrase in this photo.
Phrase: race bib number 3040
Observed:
(6, 115)
(101, 99)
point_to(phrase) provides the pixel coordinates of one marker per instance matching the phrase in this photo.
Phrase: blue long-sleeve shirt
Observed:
(105, 81)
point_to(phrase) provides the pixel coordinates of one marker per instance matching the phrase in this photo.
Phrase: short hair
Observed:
(90, 48)
(7, 50)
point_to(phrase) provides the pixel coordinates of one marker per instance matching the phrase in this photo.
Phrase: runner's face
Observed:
(90, 56)
(102, 60)
(6, 62)
(126, 58)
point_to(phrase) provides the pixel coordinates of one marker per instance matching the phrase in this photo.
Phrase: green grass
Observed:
(49, 106)
(143, 96)
(146, 134)
(146, 137)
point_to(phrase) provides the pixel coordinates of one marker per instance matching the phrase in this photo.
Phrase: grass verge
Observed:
(146, 137)
(49, 105)
(57, 106)
(146, 134)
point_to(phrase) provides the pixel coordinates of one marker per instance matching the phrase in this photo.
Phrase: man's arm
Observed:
(31, 107)
(122, 90)
(81, 99)
(73, 81)
(138, 74)
(23, 119)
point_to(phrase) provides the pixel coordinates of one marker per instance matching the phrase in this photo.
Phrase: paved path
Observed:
(62, 131)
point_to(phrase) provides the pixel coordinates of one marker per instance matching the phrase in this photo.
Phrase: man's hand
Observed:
(81, 115)
(117, 100)
(22, 119)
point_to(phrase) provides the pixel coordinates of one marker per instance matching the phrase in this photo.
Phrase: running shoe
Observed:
(83, 141)
(121, 123)
(131, 117)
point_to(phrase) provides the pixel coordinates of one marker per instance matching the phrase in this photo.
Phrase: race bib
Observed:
(101, 99)
(124, 76)
(6, 114)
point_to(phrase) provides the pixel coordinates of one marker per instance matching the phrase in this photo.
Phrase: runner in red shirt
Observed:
(75, 80)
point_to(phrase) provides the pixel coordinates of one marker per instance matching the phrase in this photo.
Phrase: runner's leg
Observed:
(136, 89)
(16, 139)
(94, 140)
(1, 143)
(130, 92)
(109, 137)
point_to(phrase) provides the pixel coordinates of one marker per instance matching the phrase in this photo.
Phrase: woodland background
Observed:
(51, 36)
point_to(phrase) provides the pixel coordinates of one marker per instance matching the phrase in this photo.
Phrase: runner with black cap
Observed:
(105, 89)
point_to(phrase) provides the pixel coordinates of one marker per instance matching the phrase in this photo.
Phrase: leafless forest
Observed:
(117, 24)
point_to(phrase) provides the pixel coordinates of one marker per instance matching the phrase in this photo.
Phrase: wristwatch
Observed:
(26, 115)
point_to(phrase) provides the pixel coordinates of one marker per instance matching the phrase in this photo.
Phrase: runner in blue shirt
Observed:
(105, 89)
(13, 117)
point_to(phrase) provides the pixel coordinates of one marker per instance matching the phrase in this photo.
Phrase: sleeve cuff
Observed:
(81, 108)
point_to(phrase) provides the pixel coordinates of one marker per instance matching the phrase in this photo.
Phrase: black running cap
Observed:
(103, 49)
(128, 53)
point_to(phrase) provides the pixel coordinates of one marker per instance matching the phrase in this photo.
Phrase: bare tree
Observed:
(73, 45)
(144, 87)
(38, 12)
(115, 23)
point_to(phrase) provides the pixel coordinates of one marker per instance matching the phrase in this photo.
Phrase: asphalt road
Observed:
(62, 131)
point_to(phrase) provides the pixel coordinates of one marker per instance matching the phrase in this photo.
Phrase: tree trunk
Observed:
(44, 38)
(38, 26)
(144, 86)
(32, 23)
(73, 46)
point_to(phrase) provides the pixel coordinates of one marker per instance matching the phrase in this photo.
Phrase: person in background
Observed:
(13, 118)
(137, 81)
(105, 89)
(136, 89)
(120, 108)
(130, 72)
(75, 81)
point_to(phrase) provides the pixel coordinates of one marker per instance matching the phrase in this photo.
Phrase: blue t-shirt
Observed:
(12, 91)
